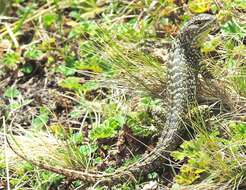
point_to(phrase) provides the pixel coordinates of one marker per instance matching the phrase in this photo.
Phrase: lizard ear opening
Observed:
(199, 22)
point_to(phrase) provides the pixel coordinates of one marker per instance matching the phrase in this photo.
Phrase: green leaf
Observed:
(11, 92)
(234, 28)
(77, 112)
(11, 60)
(199, 6)
(42, 119)
(89, 27)
(77, 138)
(49, 19)
(75, 15)
(188, 175)
(87, 150)
(28, 68)
(90, 85)
(92, 65)
(67, 71)
(140, 124)
(240, 4)
(178, 156)
(238, 129)
(72, 83)
(239, 79)
(211, 45)
(33, 54)
(108, 129)
(15, 105)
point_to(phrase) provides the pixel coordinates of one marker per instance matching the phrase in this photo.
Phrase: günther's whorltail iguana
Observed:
(183, 67)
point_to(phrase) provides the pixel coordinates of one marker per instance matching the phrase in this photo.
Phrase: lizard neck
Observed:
(183, 66)
(190, 51)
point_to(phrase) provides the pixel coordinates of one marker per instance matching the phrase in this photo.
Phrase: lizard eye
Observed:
(199, 22)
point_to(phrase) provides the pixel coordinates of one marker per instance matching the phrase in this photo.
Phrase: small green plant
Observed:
(234, 29)
(33, 54)
(50, 19)
(24, 171)
(11, 92)
(199, 6)
(77, 84)
(15, 98)
(214, 156)
(72, 83)
(240, 81)
(11, 60)
(108, 129)
(65, 70)
(41, 120)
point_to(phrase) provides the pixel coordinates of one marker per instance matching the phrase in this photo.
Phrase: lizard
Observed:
(182, 70)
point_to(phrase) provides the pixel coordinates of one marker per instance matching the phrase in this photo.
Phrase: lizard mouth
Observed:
(209, 27)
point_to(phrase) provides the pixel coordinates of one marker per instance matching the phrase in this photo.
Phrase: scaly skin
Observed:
(183, 67)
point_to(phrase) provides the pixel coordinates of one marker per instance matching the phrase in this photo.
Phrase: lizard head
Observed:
(196, 28)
